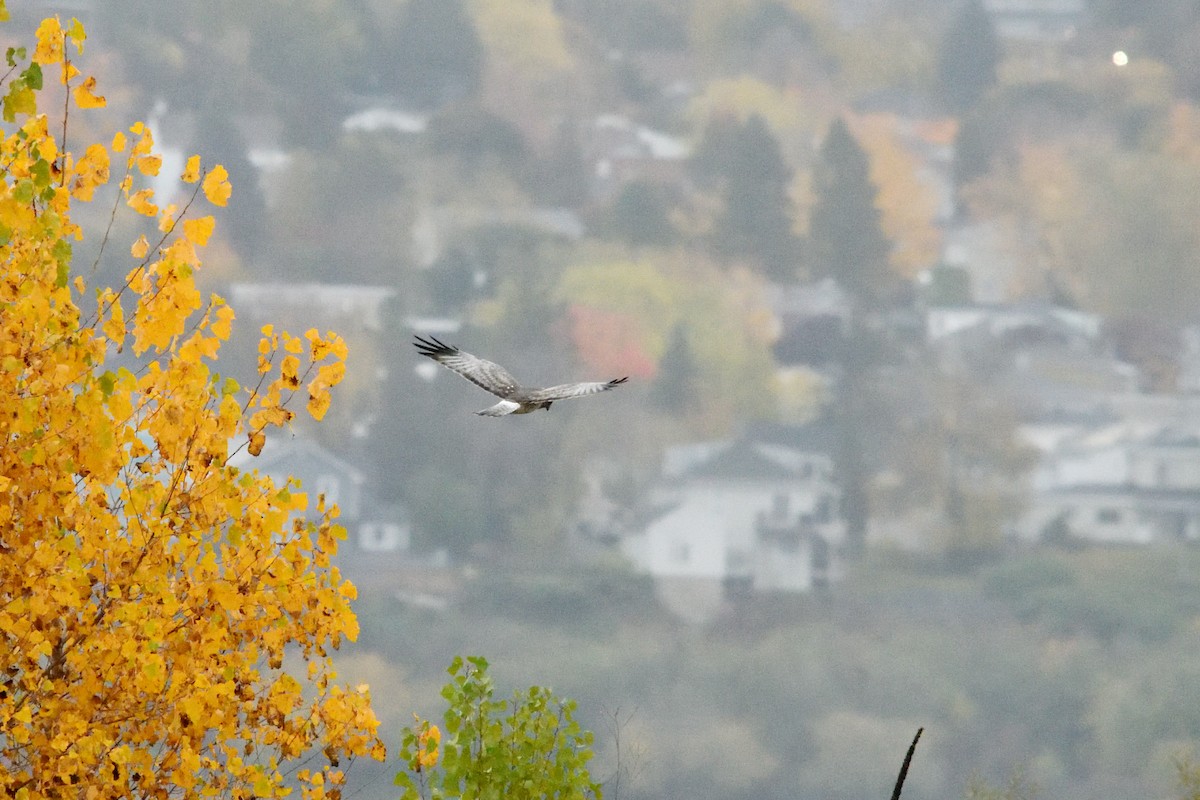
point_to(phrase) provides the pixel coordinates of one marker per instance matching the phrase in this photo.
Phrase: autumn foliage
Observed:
(155, 601)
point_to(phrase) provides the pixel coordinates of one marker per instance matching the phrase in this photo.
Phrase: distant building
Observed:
(759, 513)
(384, 118)
(1043, 357)
(379, 534)
(621, 151)
(437, 228)
(1188, 379)
(1121, 482)
(1037, 20)
(344, 307)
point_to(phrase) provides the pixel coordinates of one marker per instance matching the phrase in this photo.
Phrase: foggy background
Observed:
(907, 294)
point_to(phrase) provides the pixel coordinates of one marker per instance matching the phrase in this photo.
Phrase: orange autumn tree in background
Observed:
(148, 588)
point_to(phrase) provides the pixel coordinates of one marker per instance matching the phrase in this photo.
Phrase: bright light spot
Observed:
(1120, 58)
(426, 370)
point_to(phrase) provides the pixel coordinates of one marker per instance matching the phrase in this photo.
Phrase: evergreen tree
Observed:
(640, 216)
(746, 161)
(246, 224)
(846, 241)
(436, 53)
(674, 389)
(969, 56)
(848, 244)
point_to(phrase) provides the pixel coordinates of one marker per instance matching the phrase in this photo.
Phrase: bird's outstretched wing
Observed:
(478, 371)
(568, 390)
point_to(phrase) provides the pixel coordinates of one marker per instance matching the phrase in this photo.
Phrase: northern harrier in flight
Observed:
(514, 398)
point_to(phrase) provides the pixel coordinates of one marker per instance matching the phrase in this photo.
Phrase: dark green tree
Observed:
(435, 55)
(846, 241)
(561, 176)
(745, 162)
(969, 56)
(674, 389)
(247, 219)
(640, 216)
(474, 135)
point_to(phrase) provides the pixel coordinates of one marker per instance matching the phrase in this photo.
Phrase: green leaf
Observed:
(75, 30)
(62, 254)
(40, 171)
(13, 55)
(23, 189)
(33, 76)
(108, 382)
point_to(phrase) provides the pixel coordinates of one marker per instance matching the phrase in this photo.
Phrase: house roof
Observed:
(295, 454)
(765, 451)
(1141, 498)
(743, 460)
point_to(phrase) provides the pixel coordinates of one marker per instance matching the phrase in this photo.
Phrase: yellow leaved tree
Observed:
(149, 589)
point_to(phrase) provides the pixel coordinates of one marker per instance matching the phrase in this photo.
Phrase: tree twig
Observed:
(904, 767)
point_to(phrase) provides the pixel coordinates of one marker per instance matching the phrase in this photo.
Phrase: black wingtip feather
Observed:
(433, 347)
(618, 381)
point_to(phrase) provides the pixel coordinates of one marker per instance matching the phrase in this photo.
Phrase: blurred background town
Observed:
(907, 291)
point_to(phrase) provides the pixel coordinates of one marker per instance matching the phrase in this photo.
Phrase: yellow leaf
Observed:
(119, 142)
(85, 96)
(289, 369)
(330, 374)
(49, 42)
(318, 404)
(166, 222)
(114, 328)
(257, 440)
(140, 202)
(191, 172)
(223, 327)
(69, 71)
(149, 165)
(217, 187)
(91, 171)
(198, 230)
(140, 247)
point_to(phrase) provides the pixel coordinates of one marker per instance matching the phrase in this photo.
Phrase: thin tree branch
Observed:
(904, 767)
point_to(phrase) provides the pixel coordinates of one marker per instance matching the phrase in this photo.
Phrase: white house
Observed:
(1122, 482)
(740, 516)
(374, 528)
